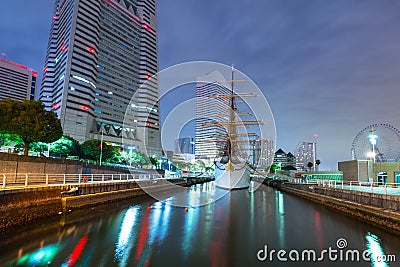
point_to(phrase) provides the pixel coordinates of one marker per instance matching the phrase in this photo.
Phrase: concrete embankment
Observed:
(27, 205)
(377, 209)
(19, 164)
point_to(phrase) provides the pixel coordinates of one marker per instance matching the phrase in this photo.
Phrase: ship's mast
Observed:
(232, 118)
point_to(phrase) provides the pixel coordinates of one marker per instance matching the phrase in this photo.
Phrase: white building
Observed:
(306, 152)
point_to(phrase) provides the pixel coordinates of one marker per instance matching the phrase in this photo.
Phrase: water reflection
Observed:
(228, 232)
(377, 256)
(76, 252)
(280, 218)
(125, 237)
(40, 257)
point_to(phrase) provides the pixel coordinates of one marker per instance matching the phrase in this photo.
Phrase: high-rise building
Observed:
(17, 81)
(99, 54)
(208, 113)
(184, 145)
(306, 152)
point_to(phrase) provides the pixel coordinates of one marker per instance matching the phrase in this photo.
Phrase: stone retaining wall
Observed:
(27, 205)
(379, 210)
(388, 202)
(13, 163)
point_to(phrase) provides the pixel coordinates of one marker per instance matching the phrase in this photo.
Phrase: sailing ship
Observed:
(232, 168)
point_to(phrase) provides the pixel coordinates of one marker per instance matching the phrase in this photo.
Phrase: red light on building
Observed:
(63, 47)
(85, 108)
(148, 124)
(54, 17)
(45, 69)
(147, 76)
(56, 106)
(146, 27)
(92, 50)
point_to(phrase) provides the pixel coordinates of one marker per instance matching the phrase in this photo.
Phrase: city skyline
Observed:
(325, 68)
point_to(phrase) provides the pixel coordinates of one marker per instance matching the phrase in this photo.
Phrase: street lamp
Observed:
(101, 146)
(372, 139)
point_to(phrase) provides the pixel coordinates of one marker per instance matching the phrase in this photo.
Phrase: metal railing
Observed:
(35, 179)
(371, 187)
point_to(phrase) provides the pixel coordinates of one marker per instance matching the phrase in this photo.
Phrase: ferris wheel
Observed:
(379, 142)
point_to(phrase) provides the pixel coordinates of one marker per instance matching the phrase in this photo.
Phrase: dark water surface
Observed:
(229, 232)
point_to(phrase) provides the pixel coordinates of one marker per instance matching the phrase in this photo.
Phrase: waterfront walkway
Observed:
(374, 187)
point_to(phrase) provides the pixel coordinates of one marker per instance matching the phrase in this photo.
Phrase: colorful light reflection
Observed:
(40, 257)
(76, 253)
(376, 252)
(125, 239)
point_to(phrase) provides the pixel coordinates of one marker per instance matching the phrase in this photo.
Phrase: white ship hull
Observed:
(237, 177)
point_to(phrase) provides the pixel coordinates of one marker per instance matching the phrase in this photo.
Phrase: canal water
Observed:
(261, 228)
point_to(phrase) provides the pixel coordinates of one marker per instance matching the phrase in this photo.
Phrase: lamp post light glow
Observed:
(372, 139)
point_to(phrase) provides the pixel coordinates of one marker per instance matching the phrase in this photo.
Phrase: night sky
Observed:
(329, 68)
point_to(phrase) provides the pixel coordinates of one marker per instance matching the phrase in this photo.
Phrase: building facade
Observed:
(284, 159)
(184, 145)
(208, 113)
(306, 152)
(99, 55)
(368, 171)
(17, 81)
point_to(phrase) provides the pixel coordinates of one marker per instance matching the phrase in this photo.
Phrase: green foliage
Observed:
(91, 150)
(317, 162)
(10, 139)
(310, 165)
(30, 121)
(185, 166)
(153, 161)
(133, 158)
(66, 146)
(200, 165)
(39, 147)
(273, 168)
(209, 169)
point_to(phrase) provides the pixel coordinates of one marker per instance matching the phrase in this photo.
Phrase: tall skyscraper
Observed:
(306, 152)
(99, 54)
(184, 145)
(208, 112)
(17, 81)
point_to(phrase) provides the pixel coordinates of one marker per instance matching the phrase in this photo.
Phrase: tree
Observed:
(318, 162)
(273, 168)
(209, 169)
(9, 139)
(30, 121)
(153, 161)
(91, 149)
(200, 165)
(310, 165)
